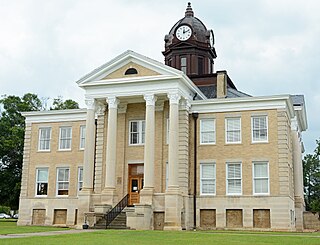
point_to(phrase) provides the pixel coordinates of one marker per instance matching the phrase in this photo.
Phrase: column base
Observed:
(146, 195)
(84, 204)
(173, 208)
(299, 208)
(141, 218)
(109, 196)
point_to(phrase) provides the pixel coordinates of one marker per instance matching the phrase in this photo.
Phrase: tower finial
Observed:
(189, 11)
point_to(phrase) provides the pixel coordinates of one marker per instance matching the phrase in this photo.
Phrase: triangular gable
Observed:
(115, 69)
(121, 72)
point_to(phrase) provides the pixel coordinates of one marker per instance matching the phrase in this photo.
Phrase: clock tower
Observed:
(189, 46)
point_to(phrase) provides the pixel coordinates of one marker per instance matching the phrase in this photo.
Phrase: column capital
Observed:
(185, 105)
(101, 108)
(174, 97)
(122, 108)
(90, 103)
(150, 99)
(113, 102)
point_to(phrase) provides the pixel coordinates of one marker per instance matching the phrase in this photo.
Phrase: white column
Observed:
(111, 151)
(173, 155)
(149, 141)
(88, 165)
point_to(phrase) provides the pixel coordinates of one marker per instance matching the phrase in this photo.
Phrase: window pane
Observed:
(233, 124)
(234, 171)
(234, 186)
(42, 188)
(42, 175)
(261, 186)
(134, 126)
(183, 61)
(208, 171)
(208, 187)
(260, 170)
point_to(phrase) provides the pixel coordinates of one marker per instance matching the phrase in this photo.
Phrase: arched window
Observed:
(131, 71)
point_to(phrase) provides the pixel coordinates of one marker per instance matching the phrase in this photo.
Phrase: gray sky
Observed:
(267, 46)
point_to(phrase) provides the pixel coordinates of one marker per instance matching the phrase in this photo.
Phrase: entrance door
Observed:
(135, 183)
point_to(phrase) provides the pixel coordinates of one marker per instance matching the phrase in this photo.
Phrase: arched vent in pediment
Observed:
(131, 71)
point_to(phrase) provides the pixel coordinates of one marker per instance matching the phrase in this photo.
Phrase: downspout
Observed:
(195, 117)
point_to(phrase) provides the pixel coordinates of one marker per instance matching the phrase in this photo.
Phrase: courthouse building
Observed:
(177, 141)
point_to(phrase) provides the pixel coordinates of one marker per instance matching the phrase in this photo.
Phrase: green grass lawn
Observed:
(169, 237)
(9, 226)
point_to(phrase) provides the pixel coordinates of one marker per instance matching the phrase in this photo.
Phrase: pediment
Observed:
(115, 70)
(121, 72)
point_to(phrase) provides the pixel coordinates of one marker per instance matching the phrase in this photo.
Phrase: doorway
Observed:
(135, 183)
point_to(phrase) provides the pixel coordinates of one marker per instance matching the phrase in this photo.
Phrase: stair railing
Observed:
(113, 213)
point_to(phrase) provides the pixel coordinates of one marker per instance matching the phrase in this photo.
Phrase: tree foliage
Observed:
(59, 104)
(12, 128)
(311, 177)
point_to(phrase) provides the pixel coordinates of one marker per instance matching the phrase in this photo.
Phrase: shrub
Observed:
(5, 209)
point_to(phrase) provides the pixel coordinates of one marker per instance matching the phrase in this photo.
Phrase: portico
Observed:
(168, 86)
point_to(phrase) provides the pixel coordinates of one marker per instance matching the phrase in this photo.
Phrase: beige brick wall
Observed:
(55, 158)
(246, 152)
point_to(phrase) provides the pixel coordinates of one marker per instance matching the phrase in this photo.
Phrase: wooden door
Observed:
(135, 183)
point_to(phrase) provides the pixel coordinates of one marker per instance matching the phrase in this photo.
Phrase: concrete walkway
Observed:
(46, 233)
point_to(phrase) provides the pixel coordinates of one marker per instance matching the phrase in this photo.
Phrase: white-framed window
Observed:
(41, 181)
(233, 130)
(183, 64)
(44, 139)
(80, 178)
(65, 138)
(259, 126)
(82, 136)
(63, 181)
(137, 132)
(234, 181)
(207, 131)
(207, 178)
(260, 178)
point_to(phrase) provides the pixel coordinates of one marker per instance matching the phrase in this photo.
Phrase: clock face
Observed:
(183, 33)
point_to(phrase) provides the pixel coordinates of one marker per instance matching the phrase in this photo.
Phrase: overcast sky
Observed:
(268, 47)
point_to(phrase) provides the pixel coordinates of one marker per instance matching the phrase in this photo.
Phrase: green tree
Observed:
(12, 128)
(59, 104)
(311, 176)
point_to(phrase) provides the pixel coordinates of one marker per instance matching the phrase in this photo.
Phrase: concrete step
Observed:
(120, 222)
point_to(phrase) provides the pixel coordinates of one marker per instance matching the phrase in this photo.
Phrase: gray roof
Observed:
(210, 91)
(297, 99)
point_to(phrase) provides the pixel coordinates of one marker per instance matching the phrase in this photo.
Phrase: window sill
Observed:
(204, 144)
(41, 196)
(136, 145)
(259, 142)
(233, 143)
(44, 151)
(62, 150)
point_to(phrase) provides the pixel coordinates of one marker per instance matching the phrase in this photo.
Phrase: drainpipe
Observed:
(195, 117)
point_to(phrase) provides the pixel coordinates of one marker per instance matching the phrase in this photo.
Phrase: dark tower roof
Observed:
(199, 29)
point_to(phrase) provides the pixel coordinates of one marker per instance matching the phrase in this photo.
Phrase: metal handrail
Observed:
(113, 213)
